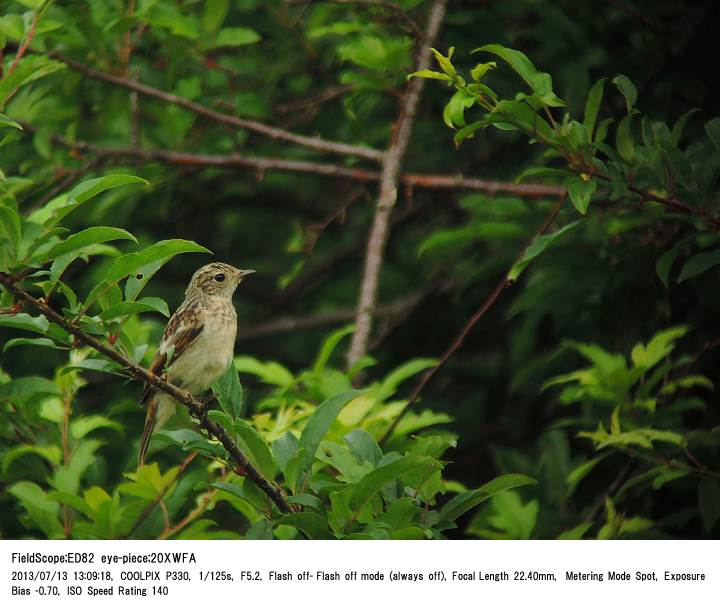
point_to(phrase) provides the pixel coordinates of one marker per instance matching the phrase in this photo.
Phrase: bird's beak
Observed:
(245, 273)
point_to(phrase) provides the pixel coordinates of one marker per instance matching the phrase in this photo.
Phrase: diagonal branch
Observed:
(460, 338)
(196, 408)
(389, 179)
(314, 142)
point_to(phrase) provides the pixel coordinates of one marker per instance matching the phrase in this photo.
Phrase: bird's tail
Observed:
(150, 418)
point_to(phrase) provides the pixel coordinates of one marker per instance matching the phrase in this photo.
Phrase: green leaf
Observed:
(259, 451)
(709, 500)
(331, 342)
(10, 226)
(698, 264)
(665, 262)
(540, 82)
(373, 482)
(81, 427)
(481, 69)
(679, 126)
(627, 88)
(624, 141)
(269, 372)
(23, 321)
(430, 74)
(659, 347)
(575, 476)
(463, 502)
(34, 342)
(409, 369)
(214, 15)
(28, 69)
(592, 106)
(160, 251)
(144, 305)
(537, 247)
(52, 213)
(89, 236)
(229, 393)
(543, 172)
(319, 423)
(51, 454)
(313, 525)
(42, 512)
(27, 387)
(581, 191)
(363, 446)
(576, 532)
(712, 128)
(8, 122)
(454, 112)
(236, 37)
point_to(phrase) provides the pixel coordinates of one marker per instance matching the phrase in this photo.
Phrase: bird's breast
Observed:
(211, 354)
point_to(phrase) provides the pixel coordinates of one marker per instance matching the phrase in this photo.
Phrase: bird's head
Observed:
(216, 279)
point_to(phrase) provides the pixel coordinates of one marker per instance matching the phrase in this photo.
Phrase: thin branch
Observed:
(460, 338)
(286, 325)
(196, 408)
(161, 495)
(316, 142)
(25, 44)
(263, 164)
(612, 489)
(389, 180)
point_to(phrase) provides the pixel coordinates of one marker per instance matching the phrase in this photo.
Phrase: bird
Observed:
(197, 345)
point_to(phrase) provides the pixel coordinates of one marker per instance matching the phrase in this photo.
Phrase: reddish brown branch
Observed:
(389, 180)
(460, 338)
(144, 515)
(196, 408)
(25, 44)
(263, 164)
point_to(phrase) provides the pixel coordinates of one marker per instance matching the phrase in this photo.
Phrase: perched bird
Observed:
(197, 345)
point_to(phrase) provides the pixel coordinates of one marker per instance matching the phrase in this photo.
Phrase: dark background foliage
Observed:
(339, 70)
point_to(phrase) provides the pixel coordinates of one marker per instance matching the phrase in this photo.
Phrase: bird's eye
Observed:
(219, 277)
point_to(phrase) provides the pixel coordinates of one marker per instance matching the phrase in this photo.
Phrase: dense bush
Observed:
(570, 280)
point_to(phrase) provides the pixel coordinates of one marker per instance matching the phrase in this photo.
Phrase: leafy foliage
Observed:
(582, 406)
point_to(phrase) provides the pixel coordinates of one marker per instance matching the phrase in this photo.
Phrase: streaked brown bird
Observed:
(198, 342)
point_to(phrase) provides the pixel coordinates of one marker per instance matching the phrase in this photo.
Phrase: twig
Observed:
(25, 44)
(316, 142)
(389, 179)
(286, 325)
(612, 489)
(151, 506)
(195, 407)
(460, 338)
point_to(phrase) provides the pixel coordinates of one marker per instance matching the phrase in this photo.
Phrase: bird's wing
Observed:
(182, 331)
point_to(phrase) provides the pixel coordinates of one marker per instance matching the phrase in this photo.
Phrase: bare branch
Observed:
(196, 408)
(263, 164)
(286, 325)
(389, 179)
(460, 338)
